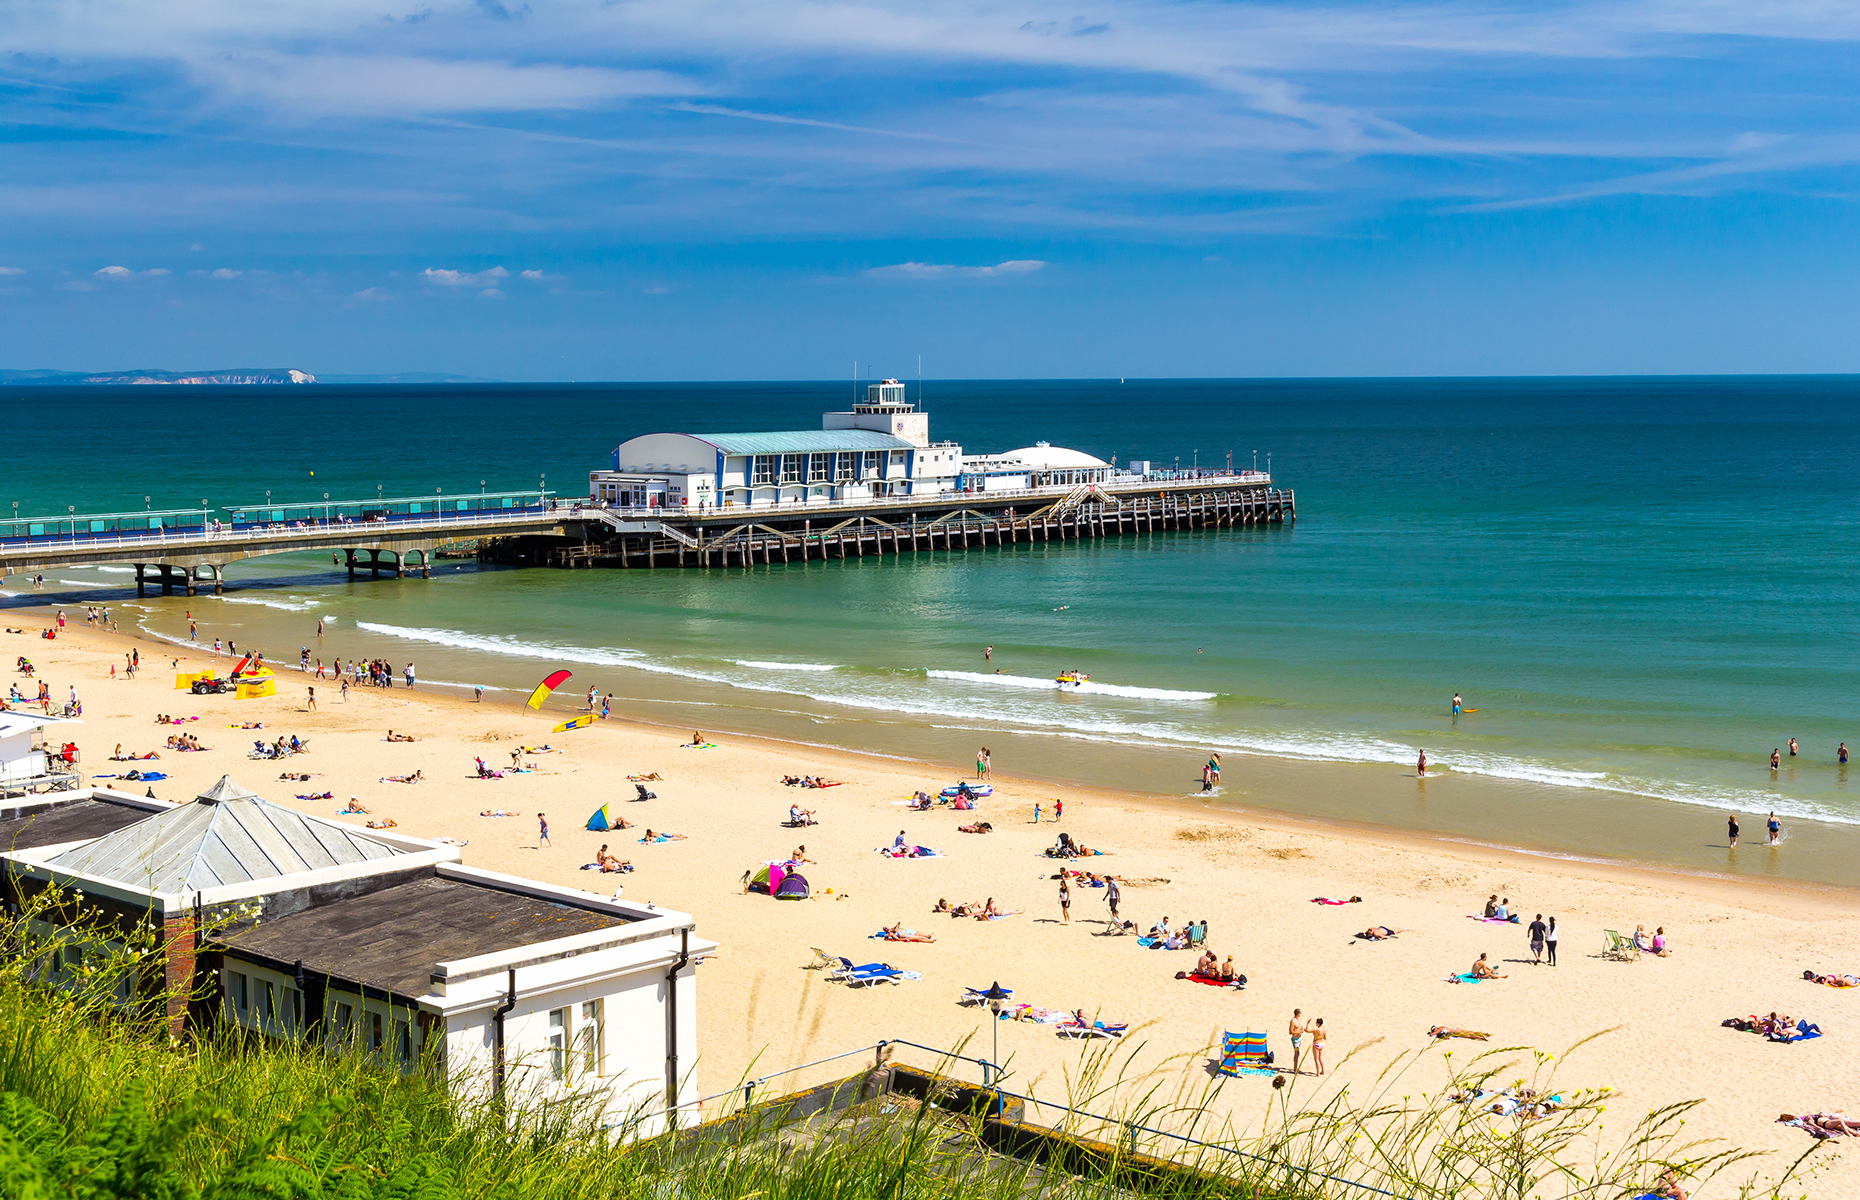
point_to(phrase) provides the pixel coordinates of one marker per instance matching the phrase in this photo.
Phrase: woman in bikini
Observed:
(1317, 1044)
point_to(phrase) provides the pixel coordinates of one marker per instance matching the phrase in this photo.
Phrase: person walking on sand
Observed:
(1111, 897)
(409, 674)
(311, 703)
(345, 689)
(1036, 813)
(1297, 1032)
(1316, 1029)
(1775, 828)
(542, 838)
(1059, 807)
(1214, 767)
(1550, 942)
(1538, 930)
(1420, 765)
(982, 763)
(1065, 901)
(1732, 825)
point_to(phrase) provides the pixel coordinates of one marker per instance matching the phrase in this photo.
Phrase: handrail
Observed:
(879, 1047)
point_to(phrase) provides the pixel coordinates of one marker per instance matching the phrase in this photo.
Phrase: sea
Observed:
(1640, 586)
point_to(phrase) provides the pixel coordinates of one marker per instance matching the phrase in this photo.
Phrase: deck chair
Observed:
(1620, 948)
(1097, 1029)
(1245, 1054)
(823, 960)
(1197, 935)
(867, 973)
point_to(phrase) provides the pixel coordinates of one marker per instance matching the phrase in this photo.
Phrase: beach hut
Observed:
(604, 819)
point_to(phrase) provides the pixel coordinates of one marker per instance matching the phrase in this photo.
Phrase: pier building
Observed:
(881, 448)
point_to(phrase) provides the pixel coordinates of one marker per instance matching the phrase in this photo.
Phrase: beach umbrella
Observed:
(603, 820)
(555, 680)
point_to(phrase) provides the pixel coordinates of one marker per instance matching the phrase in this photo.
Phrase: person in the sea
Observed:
(1731, 826)
(1775, 830)
(1420, 766)
(1793, 748)
(1842, 752)
(1775, 760)
(1456, 704)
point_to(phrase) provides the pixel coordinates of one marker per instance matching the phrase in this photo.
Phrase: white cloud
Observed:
(446, 277)
(120, 274)
(401, 87)
(226, 273)
(917, 270)
(532, 274)
(492, 293)
(12, 270)
(370, 294)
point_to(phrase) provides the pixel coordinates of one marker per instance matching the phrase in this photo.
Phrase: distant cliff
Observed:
(233, 375)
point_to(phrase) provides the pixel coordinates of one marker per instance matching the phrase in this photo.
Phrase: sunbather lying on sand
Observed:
(298, 776)
(646, 778)
(1840, 981)
(978, 827)
(499, 812)
(897, 933)
(383, 823)
(1823, 1124)
(400, 737)
(1377, 933)
(1448, 1031)
(989, 912)
(1481, 971)
(416, 777)
(662, 837)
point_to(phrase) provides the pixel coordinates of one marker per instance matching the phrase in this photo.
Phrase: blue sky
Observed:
(678, 189)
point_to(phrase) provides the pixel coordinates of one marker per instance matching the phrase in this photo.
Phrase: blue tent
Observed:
(603, 820)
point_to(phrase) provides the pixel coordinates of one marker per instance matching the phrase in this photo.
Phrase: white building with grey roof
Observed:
(364, 942)
(881, 448)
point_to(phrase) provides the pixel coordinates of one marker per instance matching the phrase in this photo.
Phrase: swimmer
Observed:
(1420, 766)
(1456, 704)
(1775, 830)
(1793, 748)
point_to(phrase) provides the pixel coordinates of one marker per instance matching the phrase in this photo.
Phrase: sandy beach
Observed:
(1738, 947)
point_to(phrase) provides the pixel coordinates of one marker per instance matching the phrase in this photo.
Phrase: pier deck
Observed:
(651, 538)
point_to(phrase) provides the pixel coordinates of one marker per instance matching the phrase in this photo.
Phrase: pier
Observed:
(595, 536)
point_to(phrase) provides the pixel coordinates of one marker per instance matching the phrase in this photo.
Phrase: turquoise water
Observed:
(1643, 586)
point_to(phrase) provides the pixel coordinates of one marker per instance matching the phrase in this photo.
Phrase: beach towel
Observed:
(136, 776)
(699, 746)
(1328, 900)
(623, 869)
(655, 776)
(1210, 980)
(1034, 1014)
(1804, 1030)
(1493, 920)
(1464, 977)
(318, 796)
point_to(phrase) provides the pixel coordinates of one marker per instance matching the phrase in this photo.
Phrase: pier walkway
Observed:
(189, 549)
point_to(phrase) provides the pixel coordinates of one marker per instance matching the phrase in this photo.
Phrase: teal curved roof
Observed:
(803, 441)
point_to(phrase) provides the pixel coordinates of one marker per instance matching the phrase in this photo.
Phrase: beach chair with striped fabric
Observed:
(1245, 1054)
(1619, 947)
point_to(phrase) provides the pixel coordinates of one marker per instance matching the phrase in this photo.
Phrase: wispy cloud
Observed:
(12, 270)
(446, 277)
(929, 271)
(124, 274)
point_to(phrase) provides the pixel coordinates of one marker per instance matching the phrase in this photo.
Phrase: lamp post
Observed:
(995, 995)
(326, 513)
(203, 518)
(481, 497)
(72, 509)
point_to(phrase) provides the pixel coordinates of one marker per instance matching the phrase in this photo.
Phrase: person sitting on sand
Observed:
(942, 905)
(1226, 972)
(1377, 933)
(1481, 971)
(1160, 929)
(800, 855)
(1502, 910)
(606, 861)
(354, 809)
(800, 816)
(1177, 940)
(697, 738)
(400, 737)
(989, 911)
(1491, 906)
(1208, 965)
(896, 933)
(485, 772)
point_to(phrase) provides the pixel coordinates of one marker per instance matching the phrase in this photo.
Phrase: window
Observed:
(293, 1010)
(236, 992)
(819, 468)
(588, 1037)
(791, 467)
(764, 468)
(403, 1043)
(558, 1043)
(345, 1023)
(268, 1016)
(847, 463)
(897, 462)
(374, 1033)
(869, 461)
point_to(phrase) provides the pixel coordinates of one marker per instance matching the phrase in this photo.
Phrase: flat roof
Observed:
(392, 939)
(23, 828)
